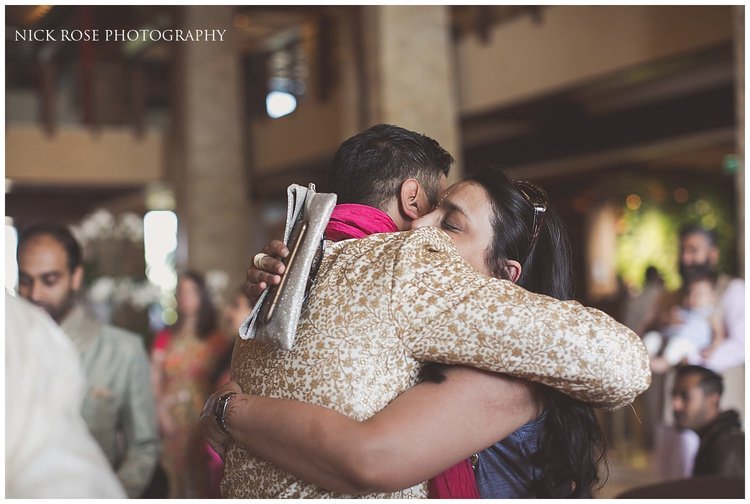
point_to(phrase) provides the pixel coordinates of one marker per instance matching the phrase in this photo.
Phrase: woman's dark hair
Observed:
(206, 311)
(569, 449)
(546, 268)
(571, 443)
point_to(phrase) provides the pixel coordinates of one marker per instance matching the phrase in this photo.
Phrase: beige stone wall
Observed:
(311, 132)
(410, 74)
(215, 217)
(416, 73)
(413, 73)
(411, 78)
(78, 156)
(574, 43)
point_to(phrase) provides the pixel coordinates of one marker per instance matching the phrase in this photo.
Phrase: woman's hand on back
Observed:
(215, 437)
(257, 280)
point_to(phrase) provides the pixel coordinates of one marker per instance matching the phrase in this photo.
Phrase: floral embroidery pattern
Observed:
(384, 304)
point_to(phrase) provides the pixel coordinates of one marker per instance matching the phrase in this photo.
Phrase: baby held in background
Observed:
(695, 329)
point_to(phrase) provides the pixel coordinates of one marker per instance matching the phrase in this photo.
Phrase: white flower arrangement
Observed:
(101, 289)
(102, 225)
(115, 288)
(216, 282)
(130, 227)
(124, 290)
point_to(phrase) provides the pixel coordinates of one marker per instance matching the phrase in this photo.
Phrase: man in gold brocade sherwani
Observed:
(384, 304)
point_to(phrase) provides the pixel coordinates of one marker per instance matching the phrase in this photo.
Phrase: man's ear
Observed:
(77, 278)
(411, 199)
(713, 401)
(513, 269)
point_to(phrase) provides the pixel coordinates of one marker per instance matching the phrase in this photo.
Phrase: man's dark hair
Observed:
(695, 228)
(370, 167)
(711, 383)
(60, 233)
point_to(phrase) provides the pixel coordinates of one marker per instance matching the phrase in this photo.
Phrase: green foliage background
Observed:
(649, 234)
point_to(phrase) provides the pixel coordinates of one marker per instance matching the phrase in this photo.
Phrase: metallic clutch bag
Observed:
(275, 316)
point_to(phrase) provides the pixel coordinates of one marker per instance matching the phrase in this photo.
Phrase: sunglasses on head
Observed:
(537, 198)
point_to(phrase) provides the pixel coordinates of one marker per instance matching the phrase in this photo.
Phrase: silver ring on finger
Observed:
(258, 258)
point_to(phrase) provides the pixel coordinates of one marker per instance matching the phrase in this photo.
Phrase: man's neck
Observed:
(401, 221)
(402, 224)
(80, 328)
(68, 310)
(61, 318)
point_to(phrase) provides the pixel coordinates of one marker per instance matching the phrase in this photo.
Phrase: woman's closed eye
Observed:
(449, 225)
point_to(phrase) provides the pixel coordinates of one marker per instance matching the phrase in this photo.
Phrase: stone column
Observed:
(212, 191)
(410, 75)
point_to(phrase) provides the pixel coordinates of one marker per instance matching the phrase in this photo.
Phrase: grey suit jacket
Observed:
(119, 403)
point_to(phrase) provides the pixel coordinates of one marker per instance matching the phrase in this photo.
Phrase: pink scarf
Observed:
(349, 220)
(457, 482)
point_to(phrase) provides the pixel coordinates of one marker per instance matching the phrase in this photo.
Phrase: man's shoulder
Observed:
(408, 253)
(732, 291)
(728, 438)
(736, 283)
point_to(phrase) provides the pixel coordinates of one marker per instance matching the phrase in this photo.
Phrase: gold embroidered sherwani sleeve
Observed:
(447, 312)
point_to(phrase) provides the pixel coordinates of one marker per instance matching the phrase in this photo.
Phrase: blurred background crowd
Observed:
(169, 162)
